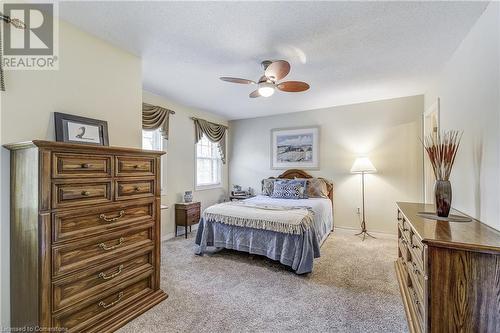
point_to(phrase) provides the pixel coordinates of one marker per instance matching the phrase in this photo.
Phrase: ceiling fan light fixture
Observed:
(266, 89)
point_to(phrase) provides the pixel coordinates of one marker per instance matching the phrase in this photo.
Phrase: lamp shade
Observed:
(362, 164)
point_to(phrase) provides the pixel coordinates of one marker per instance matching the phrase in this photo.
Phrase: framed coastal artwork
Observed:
(295, 148)
(76, 129)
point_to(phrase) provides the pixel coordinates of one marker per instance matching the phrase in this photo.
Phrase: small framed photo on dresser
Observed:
(82, 130)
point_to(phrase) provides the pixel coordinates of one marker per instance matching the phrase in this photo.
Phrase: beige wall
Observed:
(94, 80)
(180, 161)
(387, 131)
(469, 91)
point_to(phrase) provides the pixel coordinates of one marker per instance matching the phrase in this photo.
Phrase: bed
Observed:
(296, 249)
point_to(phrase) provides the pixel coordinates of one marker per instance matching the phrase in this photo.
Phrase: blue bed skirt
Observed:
(295, 251)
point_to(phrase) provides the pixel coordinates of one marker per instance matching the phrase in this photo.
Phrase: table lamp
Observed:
(363, 165)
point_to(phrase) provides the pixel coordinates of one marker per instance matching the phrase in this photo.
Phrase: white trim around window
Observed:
(207, 166)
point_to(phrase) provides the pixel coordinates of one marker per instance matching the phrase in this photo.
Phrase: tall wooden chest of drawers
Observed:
(448, 272)
(85, 235)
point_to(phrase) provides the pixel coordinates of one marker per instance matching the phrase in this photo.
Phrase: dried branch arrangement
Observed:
(442, 149)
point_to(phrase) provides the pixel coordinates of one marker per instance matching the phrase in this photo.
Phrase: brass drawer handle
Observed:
(108, 248)
(85, 166)
(415, 268)
(415, 300)
(137, 188)
(85, 193)
(104, 305)
(112, 219)
(103, 276)
(136, 166)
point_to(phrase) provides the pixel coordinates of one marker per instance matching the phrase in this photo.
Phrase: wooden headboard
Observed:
(296, 173)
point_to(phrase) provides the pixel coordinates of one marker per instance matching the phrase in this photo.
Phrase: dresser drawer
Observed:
(404, 226)
(417, 278)
(85, 253)
(417, 305)
(82, 317)
(80, 193)
(402, 264)
(71, 225)
(403, 249)
(93, 282)
(127, 189)
(134, 166)
(80, 165)
(417, 249)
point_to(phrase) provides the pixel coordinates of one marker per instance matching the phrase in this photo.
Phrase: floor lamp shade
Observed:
(363, 164)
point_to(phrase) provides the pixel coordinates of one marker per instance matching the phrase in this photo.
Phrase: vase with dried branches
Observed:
(442, 149)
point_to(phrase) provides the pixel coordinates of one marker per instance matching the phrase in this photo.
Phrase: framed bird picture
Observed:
(76, 129)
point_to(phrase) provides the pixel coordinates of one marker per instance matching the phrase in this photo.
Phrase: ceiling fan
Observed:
(268, 83)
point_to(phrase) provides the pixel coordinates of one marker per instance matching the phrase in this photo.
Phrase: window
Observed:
(152, 140)
(208, 164)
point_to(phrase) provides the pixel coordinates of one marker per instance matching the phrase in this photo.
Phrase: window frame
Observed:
(163, 159)
(220, 167)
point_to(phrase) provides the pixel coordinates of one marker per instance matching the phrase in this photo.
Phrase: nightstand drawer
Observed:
(191, 206)
(193, 219)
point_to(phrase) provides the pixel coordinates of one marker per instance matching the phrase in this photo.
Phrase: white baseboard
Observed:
(375, 233)
(167, 236)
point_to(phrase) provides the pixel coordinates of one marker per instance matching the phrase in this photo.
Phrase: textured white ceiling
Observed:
(348, 52)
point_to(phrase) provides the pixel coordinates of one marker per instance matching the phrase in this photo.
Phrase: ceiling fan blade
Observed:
(277, 70)
(237, 80)
(254, 94)
(292, 86)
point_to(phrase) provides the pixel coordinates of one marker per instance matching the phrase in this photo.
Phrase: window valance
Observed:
(154, 117)
(214, 132)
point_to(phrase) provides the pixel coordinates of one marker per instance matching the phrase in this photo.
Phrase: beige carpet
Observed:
(353, 288)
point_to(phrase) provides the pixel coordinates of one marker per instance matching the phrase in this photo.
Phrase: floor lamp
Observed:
(363, 165)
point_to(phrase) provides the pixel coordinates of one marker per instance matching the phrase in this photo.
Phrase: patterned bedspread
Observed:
(295, 250)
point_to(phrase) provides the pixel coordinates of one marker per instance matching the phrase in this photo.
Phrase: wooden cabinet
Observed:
(448, 273)
(85, 235)
(186, 214)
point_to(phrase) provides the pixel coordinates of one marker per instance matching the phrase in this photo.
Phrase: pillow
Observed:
(288, 190)
(316, 187)
(301, 182)
(267, 186)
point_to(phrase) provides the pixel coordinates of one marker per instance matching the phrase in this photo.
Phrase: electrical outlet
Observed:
(358, 211)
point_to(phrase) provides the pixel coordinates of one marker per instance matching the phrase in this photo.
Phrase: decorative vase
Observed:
(188, 196)
(442, 192)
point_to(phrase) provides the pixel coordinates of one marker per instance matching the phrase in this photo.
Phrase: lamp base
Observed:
(364, 232)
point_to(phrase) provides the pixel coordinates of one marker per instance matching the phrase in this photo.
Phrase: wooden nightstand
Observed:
(186, 214)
